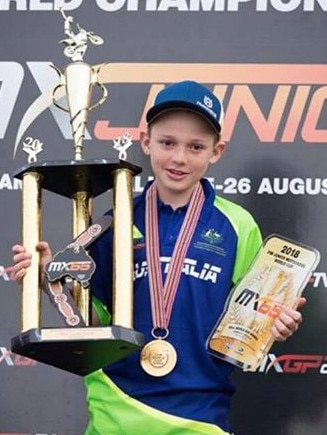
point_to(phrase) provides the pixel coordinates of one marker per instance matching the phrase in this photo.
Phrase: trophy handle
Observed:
(103, 98)
(60, 85)
(65, 109)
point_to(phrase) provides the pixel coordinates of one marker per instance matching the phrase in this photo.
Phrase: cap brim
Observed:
(161, 108)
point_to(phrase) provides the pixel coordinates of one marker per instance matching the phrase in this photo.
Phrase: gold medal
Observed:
(158, 358)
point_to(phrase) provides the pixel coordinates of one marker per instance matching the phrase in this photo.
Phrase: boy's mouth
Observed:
(176, 172)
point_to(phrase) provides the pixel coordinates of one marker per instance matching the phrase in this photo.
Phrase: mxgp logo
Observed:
(294, 109)
(290, 363)
(11, 359)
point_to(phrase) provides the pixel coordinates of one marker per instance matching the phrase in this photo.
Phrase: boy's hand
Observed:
(288, 322)
(22, 259)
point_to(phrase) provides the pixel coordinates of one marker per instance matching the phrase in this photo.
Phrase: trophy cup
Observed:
(78, 347)
(276, 278)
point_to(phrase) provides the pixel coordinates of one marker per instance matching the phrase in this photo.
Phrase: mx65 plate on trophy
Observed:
(275, 280)
(77, 346)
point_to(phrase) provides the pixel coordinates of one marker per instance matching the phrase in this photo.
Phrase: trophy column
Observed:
(123, 230)
(81, 221)
(31, 295)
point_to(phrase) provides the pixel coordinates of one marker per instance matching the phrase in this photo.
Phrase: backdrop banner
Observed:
(266, 60)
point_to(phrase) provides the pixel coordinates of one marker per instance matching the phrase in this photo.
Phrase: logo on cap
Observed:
(208, 101)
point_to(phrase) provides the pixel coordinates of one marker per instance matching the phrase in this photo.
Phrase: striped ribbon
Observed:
(163, 296)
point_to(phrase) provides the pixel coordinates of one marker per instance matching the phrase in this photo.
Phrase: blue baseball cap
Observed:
(191, 96)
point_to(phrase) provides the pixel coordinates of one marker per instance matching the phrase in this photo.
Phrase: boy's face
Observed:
(181, 145)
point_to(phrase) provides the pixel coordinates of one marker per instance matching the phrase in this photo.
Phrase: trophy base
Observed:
(78, 350)
(234, 361)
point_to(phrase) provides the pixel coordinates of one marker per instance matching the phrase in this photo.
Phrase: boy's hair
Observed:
(192, 96)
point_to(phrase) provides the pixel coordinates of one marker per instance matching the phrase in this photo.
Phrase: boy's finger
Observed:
(18, 276)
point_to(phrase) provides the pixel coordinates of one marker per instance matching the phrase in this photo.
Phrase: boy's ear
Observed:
(145, 141)
(218, 151)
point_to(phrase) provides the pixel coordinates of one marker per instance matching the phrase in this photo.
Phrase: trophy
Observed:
(77, 347)
(276, 278)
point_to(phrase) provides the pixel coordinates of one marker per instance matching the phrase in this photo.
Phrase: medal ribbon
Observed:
(163, 296)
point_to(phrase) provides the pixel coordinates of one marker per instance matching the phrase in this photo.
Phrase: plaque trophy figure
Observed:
(78, 347)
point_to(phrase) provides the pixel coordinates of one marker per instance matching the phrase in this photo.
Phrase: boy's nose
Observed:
(179, 154)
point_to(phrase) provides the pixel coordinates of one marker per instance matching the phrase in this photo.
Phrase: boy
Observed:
(182, 279)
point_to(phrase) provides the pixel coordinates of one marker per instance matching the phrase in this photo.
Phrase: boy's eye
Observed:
(197, 147)
(166, 142)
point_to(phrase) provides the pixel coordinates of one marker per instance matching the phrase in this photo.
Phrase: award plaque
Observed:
(78, 347)
(275, 280)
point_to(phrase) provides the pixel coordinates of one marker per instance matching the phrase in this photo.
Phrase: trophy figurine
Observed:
(78, 347)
